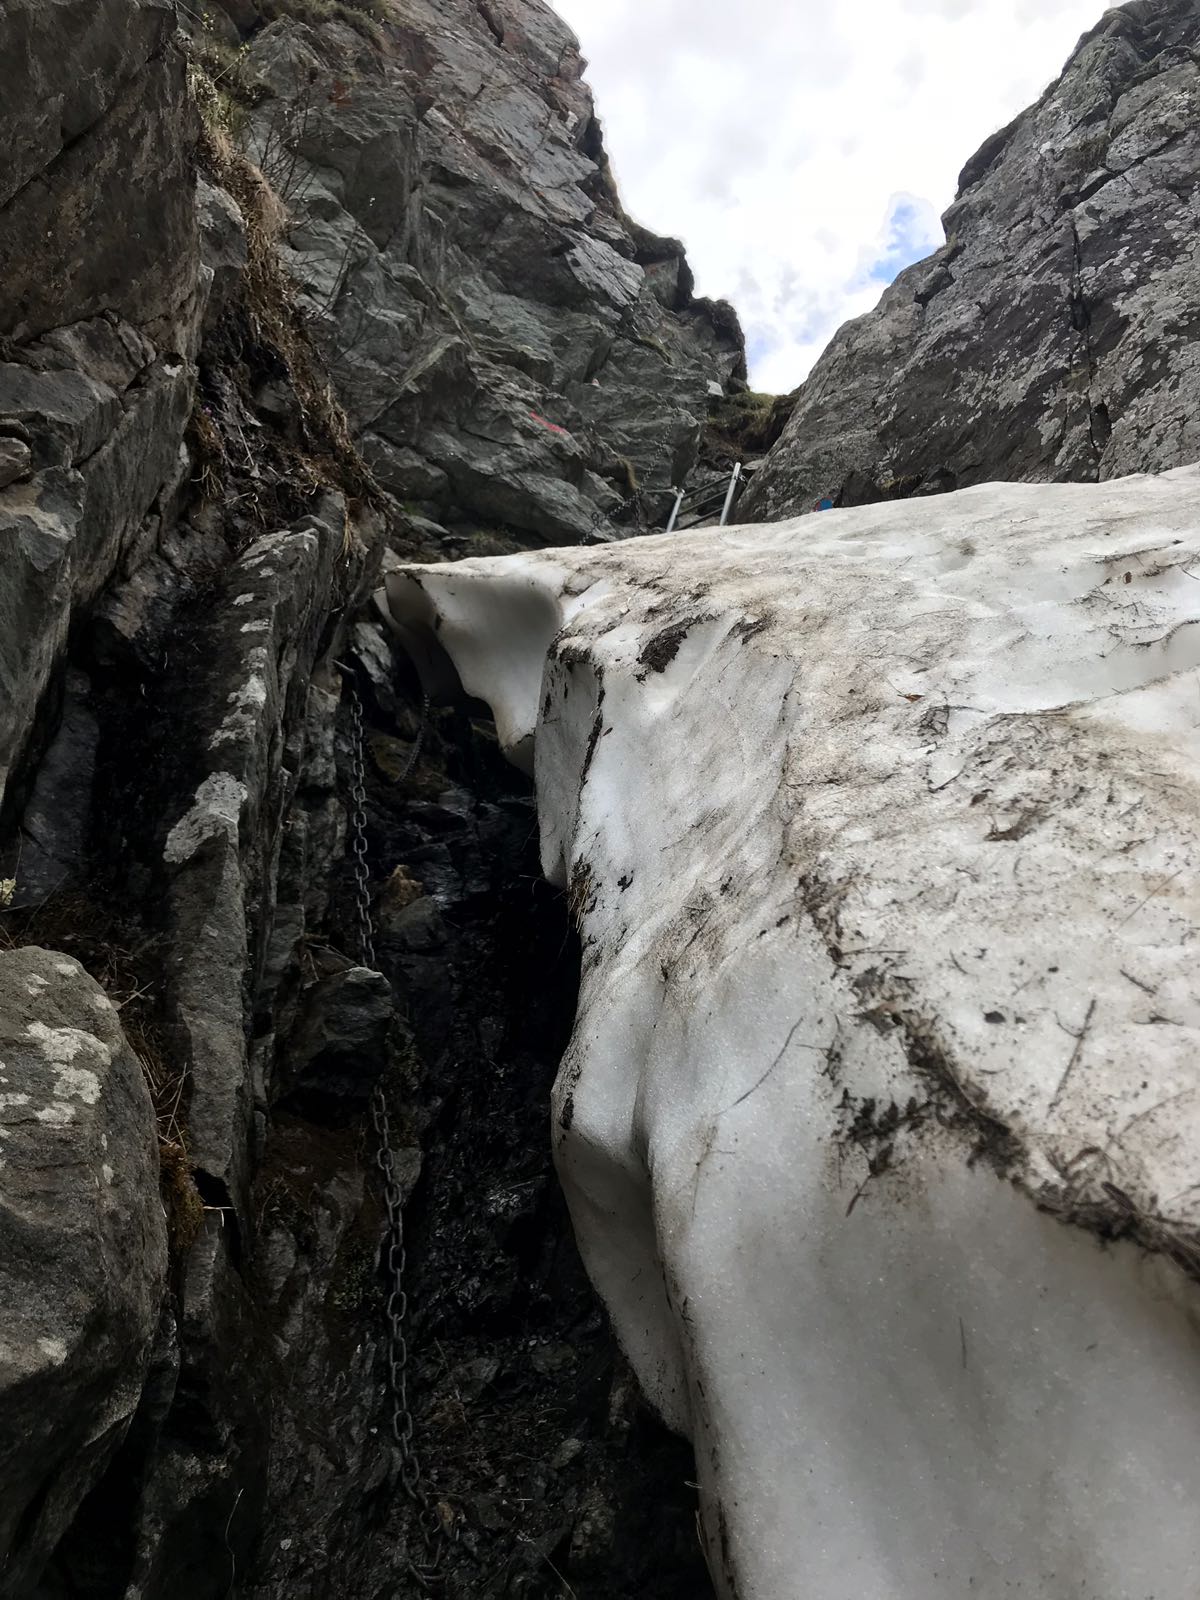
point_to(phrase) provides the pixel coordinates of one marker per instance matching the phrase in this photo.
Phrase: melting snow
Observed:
(880, 828)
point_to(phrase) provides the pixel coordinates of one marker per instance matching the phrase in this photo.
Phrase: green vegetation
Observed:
(651, 343)
(747, 424)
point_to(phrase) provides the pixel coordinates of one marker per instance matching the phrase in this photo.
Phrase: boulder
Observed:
(880, 1121)
(82, 1248)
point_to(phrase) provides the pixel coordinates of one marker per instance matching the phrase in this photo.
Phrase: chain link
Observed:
(434, 1533)
(358, 827)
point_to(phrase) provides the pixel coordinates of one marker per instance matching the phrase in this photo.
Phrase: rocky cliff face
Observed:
(514, 354)
(286, 289)
(292, 290)
(1053, 337)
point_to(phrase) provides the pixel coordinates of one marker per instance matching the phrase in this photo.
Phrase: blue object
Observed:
(825, 505)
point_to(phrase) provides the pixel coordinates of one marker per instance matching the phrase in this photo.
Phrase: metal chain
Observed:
(434, 1534)
(634, 495)
(358, 827)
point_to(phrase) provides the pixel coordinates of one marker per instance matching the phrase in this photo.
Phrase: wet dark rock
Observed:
(50, 847)
(335, 1051)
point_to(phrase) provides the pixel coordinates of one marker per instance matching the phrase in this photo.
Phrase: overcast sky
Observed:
(804, 150)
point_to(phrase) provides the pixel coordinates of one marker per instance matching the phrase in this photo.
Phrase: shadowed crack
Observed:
(1099, 425)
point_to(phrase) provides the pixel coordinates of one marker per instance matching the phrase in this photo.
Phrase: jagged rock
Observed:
(880, 1122)
(15, 459)
(1053, 335)
(95, 111)
(51, 845)
(82, 1248)
(69, 414)
(343, 1023)
(403, 472)
(67, 527)
(95, 389)
(461, 246)
(219, 852)
(222, 246)
(108, 351)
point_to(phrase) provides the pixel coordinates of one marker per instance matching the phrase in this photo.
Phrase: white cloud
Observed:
(803, 148)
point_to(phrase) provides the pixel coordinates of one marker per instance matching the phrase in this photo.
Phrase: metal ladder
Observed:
(702, 502)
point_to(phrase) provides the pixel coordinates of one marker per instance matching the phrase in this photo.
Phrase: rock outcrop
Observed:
(514, 354)
(880, 1120)
(286, 288)
(97, 321)
(83, 1248)
(1053, 337)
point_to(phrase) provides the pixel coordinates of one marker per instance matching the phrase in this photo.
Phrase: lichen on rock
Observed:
(82, 1247)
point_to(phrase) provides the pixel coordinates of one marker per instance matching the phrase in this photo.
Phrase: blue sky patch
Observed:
(910, 233)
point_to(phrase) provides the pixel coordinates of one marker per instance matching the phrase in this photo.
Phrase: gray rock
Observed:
(15, 459)
(222, 245)
(460, 247)
(402, 471)
(65, 530)
(336, 1049)
(82, 1247)
(67, 413)
(1053, 336)
(53, 837)
(219, 852)
(131, 618)
(63, 67)
(105, 349)
(39, 519)
(98, 130)
(95, 108)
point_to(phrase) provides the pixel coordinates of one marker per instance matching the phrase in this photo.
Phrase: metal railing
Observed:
(702, 502)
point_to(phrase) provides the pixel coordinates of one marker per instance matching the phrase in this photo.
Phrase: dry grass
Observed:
(208, 454)
(326, 456)
(748, 424)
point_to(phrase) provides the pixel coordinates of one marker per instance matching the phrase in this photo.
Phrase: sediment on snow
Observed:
(880, 1119)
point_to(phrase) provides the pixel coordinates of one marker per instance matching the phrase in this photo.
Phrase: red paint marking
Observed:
(553, 426)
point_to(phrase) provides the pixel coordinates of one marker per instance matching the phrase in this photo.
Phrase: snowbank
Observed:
(880, 1124)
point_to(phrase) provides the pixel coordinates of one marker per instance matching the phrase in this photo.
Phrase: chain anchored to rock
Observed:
(601, 516)
(435, 1535)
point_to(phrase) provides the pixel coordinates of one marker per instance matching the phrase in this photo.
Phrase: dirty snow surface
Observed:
(880, 1124)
